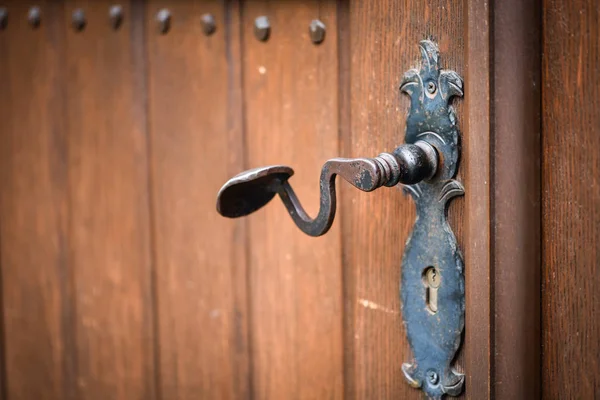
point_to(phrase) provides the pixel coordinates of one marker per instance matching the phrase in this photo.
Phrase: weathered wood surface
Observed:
(291, 117)
(382, 45)
(119, 280)
(571, 200)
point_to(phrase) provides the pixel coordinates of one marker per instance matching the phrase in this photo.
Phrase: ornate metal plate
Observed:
(432, 288)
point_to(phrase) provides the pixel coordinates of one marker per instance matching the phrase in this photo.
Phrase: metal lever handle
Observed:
(252, 189)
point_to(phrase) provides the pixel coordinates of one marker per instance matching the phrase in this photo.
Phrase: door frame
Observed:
(503, 214)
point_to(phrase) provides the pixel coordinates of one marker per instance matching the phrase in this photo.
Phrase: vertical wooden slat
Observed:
(478, 184)
(36, 283)
(291, 112)
(196, 144)
(344, 127)
(516, 199)
(384, 39)
(109, 239)
(239, 334)
(571, 200)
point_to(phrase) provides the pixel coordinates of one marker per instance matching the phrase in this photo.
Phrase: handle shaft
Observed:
(250, 190)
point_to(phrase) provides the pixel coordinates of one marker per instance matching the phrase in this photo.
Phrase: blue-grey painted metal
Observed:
(431, 253)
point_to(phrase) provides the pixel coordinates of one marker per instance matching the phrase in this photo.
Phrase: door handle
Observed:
(432, 286)
(251, 190)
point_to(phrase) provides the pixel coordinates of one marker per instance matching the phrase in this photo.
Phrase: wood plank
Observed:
(37, 299)
(109, 240)
(384, 36)
(291, 112)
(516, 199)
(196, 145)
(478, 184)
(570, 200)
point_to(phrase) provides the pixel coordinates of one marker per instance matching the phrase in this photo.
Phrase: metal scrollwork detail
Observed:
(431, 252)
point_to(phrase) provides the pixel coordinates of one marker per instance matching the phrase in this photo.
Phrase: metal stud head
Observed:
(262, 28)
(431, 87)
(78, 19)
(34, 16)
(163, 17)
(3, 17)
(316, 31)
(115, 15)
(209, 26)
(433, 377)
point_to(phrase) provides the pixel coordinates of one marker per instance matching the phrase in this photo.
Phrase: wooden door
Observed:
(119, 280)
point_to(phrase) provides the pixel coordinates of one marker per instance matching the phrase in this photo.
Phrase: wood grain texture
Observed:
(571, 200)
(196, 145)
(291, 113)
(478, 201)
(120, 281)
(37, 298)
(383, 42)
(516, 195)
(109, 239)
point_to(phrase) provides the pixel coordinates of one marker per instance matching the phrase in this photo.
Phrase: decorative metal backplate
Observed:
(432, 292)
(432, 288)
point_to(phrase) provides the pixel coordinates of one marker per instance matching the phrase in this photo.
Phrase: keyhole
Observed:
(431, 278)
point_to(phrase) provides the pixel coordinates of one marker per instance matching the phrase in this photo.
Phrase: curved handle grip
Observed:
(252, 189)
